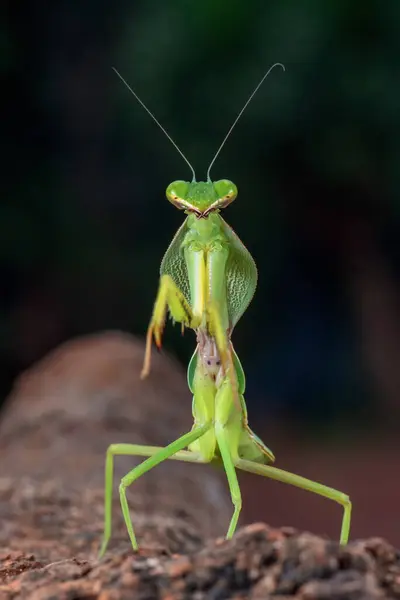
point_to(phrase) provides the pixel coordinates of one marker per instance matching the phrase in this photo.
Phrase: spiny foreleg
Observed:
(169, 297)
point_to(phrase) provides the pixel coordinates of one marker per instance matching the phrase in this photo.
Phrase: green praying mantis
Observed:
(208, 279)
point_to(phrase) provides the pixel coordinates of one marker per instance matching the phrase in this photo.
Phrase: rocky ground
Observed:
(58, 422)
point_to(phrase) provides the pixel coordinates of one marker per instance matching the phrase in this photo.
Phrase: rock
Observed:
(257, 564)
(59, 420)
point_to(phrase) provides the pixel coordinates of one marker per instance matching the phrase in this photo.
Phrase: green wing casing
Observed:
(174, 264)
(241, 275)
(251, 447)
(241, 270)
(254, 449)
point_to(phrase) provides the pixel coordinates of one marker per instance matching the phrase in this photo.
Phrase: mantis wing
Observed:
(241, 275)
(250, 445)
(254, 449)
(241, 271)
(174, 264)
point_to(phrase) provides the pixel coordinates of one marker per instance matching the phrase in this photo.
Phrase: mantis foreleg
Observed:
(169, 297)
(305, 484)
(217, 311)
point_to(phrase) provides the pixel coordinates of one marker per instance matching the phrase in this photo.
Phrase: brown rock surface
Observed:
(59, 420)
(258, 563)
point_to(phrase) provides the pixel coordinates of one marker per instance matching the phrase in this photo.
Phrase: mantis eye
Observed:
(226, 191)
(176, 193)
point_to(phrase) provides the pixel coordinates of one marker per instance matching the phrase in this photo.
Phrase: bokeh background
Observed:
(84, 221)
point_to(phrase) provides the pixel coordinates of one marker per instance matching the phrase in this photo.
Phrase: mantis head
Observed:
(201, 198)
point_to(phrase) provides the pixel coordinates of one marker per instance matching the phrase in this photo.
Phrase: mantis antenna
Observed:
(240, 114)
(156, 121)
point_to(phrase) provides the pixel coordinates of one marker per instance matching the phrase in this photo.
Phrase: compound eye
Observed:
(176, 193)
(226, 191)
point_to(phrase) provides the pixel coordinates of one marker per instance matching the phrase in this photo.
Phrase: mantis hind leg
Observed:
(131, 450)
(229, 465)
(156, 456)
(227, 432)
(305, 484)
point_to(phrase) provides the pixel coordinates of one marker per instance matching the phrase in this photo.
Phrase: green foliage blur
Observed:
(84, 220)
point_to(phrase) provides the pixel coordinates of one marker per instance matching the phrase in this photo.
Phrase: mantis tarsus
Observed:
(208, 279)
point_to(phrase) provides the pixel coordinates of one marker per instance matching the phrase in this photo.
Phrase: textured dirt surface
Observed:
(59, 420)
(258, 563)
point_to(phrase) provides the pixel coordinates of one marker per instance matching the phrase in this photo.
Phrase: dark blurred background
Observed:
(84, 220)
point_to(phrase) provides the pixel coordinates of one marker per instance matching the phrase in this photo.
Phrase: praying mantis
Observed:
(208, 279)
